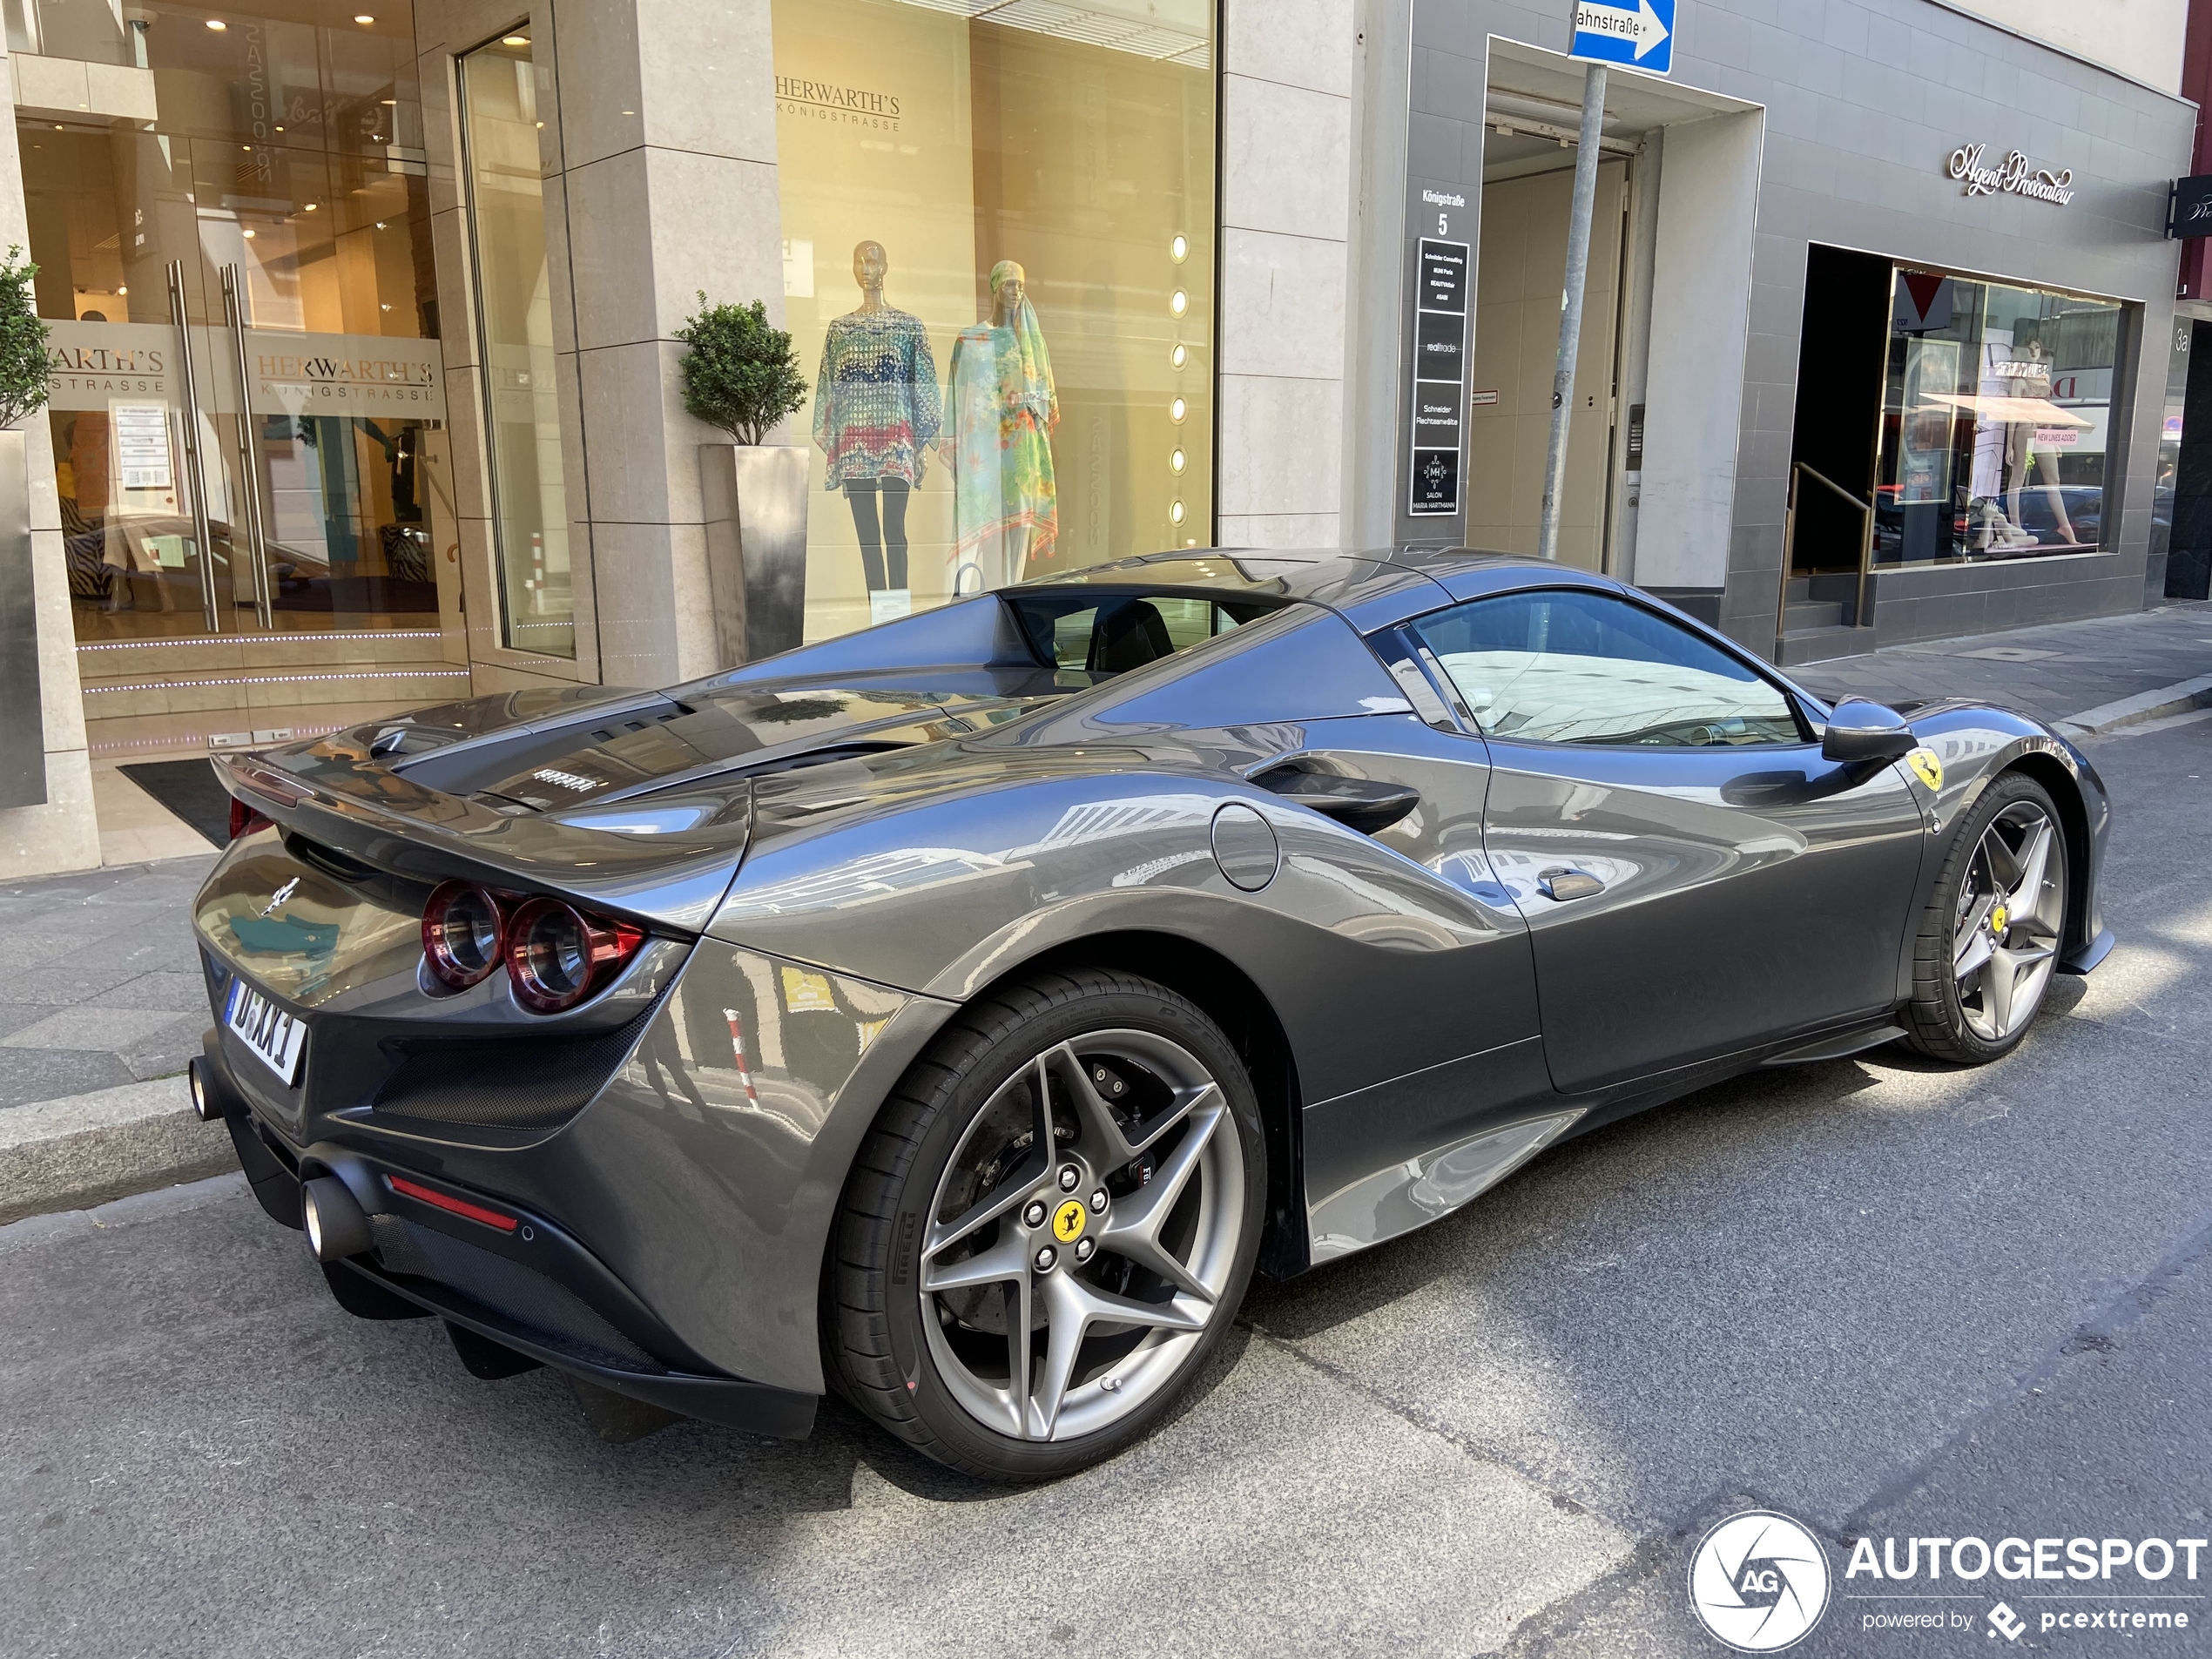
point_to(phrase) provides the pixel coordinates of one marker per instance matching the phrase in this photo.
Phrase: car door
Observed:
(1698, 880)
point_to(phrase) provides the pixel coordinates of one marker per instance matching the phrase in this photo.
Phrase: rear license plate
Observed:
(275, 1037)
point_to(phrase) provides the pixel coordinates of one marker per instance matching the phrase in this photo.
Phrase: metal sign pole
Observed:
(1570, 308)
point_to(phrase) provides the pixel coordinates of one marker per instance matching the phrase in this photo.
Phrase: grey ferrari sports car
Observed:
(957, 1014)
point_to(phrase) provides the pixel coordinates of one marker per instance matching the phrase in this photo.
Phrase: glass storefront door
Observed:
(248, 390)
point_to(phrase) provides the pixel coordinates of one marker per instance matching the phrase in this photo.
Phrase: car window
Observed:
(1103, 634)
(1565, 666)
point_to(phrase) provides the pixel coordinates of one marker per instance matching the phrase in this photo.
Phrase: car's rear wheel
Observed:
(1049, 1227)
(1989, 937)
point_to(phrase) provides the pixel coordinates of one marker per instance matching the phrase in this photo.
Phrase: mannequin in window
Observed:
(876, 409)
(1006, 516)
(2023, 455)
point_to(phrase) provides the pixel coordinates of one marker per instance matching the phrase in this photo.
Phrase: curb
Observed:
(2178, 698)
(72, 1154)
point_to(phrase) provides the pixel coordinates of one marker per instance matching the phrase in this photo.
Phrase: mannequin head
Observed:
(1008, 284)
(869, 264)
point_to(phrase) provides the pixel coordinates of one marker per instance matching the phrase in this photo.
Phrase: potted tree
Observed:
(23, 370)
(741, 376)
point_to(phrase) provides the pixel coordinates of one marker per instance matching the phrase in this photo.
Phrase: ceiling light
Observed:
(393, 102)
(249, 236)
(363, 17)
(1179, 249)
(280, 129)
(217, 24)
(380, 223)
(1177, 409)
(309, 208)
(1174, 514)
(121, 289)
(515, 40)
(1175, 462)
(1180, 355)
(1178, 302)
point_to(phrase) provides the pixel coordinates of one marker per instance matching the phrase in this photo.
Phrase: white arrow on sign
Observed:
(1644, 27)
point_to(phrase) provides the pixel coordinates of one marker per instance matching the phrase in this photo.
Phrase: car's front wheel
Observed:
(1049, 1227)
(1989, 937)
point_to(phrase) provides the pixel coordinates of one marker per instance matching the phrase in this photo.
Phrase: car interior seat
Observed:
(1128, 635)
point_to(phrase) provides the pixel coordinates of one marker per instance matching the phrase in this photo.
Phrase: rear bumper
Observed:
(528, 1284)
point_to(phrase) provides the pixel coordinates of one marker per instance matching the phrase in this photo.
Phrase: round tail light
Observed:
(462, 928)
(556, 954)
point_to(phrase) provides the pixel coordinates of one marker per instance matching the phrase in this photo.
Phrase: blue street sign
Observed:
(1640, 33)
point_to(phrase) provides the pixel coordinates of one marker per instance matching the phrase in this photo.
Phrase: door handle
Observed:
(1561, 884)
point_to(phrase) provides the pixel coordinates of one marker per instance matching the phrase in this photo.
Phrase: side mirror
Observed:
(1860, 731)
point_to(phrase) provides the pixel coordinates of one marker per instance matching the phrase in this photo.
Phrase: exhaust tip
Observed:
(337, 1226)
(206, 1105)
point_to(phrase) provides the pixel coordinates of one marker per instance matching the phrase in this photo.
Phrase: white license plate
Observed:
(275, 1037)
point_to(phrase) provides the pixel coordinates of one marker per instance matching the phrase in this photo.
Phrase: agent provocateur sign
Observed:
(2011, 176)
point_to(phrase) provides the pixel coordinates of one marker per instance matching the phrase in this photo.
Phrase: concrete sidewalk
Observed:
(105, 1005)
(2059, 671)
(102, 1006)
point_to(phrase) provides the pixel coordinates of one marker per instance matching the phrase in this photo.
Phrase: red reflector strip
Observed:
(476, 1212)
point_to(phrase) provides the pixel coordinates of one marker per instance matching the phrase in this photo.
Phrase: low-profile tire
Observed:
(1150, 1204)
(1989, 938)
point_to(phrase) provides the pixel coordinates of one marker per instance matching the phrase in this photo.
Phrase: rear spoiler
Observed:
(333, 793)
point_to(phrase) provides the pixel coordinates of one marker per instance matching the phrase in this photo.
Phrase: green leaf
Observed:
(740, 374)
(25, 368)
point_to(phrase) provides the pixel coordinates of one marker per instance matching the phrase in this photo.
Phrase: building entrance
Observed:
(1516, 346)
(232, 237)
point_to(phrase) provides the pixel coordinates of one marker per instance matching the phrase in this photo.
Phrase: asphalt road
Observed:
(1883, 1297)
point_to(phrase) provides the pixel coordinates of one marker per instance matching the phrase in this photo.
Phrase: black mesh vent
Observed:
(526, 1296)
(503, 1082)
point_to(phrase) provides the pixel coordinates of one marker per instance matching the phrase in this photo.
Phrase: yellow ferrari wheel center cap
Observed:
(1068, 1221)
(1997, 918)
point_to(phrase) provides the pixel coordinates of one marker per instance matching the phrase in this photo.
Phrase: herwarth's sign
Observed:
(2011, 176)
(95, 363)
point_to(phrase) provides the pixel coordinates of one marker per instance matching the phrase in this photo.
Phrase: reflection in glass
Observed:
(1995, 420)
(292, 150)
(514, 312)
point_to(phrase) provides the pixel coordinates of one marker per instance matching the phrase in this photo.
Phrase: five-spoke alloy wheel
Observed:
(1050, 1226)
(1990, 939)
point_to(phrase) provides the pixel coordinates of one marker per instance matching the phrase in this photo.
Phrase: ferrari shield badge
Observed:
(1923, 761)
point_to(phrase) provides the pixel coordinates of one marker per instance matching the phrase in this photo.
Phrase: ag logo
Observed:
(1758, 1582)
(1923, 762)
(1068, 1221)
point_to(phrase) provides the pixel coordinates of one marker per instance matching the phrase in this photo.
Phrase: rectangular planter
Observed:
(756, 547)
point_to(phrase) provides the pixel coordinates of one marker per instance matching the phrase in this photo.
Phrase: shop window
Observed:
(499, 126)
(1995, 421)
(998, 273)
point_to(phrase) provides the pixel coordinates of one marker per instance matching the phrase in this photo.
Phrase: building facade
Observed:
(367, 384)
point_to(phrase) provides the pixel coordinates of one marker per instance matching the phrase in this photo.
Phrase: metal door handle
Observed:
(1561, 884)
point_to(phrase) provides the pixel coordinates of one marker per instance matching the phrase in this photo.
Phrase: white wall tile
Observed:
(1281, 446)
(1299, 42)
(1286, 158)
(1281, 530)
(1282, 305)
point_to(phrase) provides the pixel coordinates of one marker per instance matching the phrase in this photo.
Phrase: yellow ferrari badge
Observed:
(1068, 1221)
(1923, 760)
